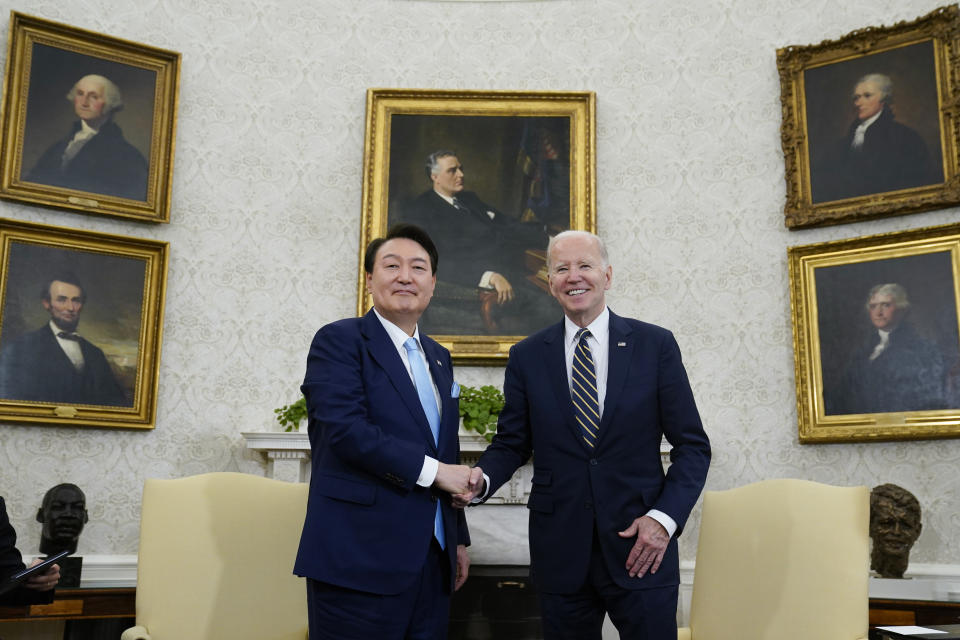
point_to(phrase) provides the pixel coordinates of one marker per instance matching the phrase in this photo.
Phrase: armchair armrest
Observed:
(135, 633)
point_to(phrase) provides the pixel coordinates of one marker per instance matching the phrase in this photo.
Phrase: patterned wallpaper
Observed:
(266, 208)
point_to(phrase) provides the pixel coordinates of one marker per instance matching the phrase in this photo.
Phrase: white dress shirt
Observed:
(862, 130)
(70, 347)
(398, 336)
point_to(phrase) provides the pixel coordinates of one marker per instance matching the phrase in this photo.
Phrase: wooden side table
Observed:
(78, 604)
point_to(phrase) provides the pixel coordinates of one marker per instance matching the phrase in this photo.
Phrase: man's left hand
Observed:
(463, 566)
(43, 581)
(647, 552)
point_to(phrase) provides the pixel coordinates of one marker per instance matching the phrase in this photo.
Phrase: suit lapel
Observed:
(554, 358)
(443, 379)
(619, 356)
(381, 349)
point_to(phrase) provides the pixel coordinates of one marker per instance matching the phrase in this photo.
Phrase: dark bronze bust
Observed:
(63, 514)
(894, 527)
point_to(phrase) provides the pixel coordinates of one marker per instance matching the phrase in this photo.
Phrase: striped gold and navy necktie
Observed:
(583, 390)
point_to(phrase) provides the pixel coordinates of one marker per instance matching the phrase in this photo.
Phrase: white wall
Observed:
(266, 209)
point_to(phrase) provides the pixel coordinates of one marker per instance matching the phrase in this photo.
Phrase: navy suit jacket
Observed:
(576, 489)
(11, 562)
(33, 367)
(369, 525)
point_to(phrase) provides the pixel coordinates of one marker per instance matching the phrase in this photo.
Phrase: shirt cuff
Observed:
(486, 490)
(668, 523)
(428, 473)
(485, 280)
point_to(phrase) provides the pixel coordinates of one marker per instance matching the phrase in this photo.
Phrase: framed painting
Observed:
(81, 319)
(876, 336)
(88, 121)
(869, 125)
(490, 175)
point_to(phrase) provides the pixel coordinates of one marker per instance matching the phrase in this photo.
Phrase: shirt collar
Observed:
(87, 129)
(869, 121)
(397, 335)
(599, 328)
(57, 330)
(449, 199)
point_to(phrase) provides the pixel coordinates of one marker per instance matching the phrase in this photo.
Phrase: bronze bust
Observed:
(894, 527)
(63, 514)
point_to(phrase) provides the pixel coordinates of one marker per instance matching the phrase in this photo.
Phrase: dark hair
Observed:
(402, 230)
(67, 277)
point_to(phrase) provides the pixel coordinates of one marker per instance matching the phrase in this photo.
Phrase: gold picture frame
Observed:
(855, 384)
(531, 155)
(904, 160)
(48, 158)
(81, 321)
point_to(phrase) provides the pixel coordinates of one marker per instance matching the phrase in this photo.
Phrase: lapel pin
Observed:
(438, 364)
(621, 344)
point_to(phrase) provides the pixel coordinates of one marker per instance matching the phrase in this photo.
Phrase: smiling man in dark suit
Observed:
(55, 363)
(590, 399)
(382, 547)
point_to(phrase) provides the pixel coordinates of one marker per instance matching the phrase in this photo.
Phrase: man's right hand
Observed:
(475, 488)
(503, 287)
(452, 478)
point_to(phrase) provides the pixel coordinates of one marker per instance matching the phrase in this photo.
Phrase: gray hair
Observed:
(883, 83)
(574, 233)
(113, 101)
(897, 292)
(433, 160)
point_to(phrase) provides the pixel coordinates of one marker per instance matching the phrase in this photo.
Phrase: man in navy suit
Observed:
(604, 518)
(482, 247)
(382, 547)
(38, 588)
(55, 363)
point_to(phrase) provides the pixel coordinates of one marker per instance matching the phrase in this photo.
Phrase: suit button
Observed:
(593, 461)
(588, 505)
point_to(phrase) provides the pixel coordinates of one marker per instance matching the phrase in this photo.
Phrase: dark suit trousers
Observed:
(638, 614)
(420, 613)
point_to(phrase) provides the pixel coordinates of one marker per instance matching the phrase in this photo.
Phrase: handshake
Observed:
(463, 483)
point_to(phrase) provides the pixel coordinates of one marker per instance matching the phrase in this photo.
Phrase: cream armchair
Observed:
(784, 560)
(216, 555)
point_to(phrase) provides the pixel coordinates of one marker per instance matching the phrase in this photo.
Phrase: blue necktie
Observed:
(583, 391)
(428, 401)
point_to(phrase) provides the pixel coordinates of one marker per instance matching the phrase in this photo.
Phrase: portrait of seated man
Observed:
(895, 368)
(94, 156)
(483, 249)
(54, 363)
(877, 154)
(894, 527)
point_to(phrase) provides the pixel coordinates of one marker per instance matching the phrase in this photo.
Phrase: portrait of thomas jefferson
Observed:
(888, 335)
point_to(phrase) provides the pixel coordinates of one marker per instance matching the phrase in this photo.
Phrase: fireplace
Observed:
(497, 602)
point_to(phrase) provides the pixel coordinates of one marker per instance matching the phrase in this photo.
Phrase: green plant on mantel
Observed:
(289, 416)
(480, 408)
